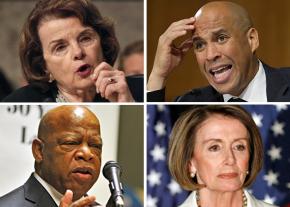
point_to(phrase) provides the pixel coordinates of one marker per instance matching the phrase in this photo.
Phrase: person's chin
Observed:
(81, 189)
(230, 186)
(77, 194)
(85, 85)
(223, 88)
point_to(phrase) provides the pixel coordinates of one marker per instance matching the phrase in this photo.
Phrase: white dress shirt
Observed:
(251, 201)
(256, 90)
(56, 196)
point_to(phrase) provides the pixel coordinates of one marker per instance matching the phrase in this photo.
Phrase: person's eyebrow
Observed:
(87, 31)
(99, 140)
(75, 135)
(196, 38)
(219, 31)
(220, 140)
(211, 140)
(54, 42)
(215, 33)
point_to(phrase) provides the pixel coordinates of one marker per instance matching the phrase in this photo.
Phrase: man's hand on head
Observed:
(67, 200)
(168, 56)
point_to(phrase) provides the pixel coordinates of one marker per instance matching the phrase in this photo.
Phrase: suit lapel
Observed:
(277, 85)
(215, 96)
(206, 94)
(35, 193)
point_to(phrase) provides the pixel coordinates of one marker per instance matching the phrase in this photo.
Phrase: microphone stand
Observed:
(119, 202)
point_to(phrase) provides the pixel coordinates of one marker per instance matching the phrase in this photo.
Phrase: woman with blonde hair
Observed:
(216, 152)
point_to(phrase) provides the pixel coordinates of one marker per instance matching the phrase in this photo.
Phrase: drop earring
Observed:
(192, 174)
(51, 78)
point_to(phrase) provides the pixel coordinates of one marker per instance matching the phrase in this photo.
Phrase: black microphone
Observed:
(112, 173)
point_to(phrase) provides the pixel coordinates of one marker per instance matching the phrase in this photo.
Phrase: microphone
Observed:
(112, 173)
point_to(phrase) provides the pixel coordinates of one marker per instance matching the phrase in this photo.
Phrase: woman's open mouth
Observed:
(84, 70)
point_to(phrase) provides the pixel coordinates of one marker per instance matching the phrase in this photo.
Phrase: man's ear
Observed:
(253, 39)
(37, 150)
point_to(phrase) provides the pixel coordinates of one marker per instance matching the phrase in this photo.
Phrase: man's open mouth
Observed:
(221, 69)
(221, 74)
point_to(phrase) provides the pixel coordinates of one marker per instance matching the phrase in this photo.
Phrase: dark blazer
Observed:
(277, 88)
(31, 194)
(37, 93)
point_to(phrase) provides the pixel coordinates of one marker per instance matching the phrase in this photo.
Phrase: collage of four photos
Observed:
(156, 103)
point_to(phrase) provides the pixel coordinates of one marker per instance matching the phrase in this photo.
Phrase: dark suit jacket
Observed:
(277, 87)
(31, 194)
(37, 93)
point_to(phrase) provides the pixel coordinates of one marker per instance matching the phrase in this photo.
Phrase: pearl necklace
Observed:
(245, 201)
(60, 97)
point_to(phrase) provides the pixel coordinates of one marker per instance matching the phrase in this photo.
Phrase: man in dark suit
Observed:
(224, 42)
(67, 157)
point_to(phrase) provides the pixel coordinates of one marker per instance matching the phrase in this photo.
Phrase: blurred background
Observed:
(126, 14)
(271, 19)
(121, 131)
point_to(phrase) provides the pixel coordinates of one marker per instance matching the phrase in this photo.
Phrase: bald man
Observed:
(67, 157)
(225, 43)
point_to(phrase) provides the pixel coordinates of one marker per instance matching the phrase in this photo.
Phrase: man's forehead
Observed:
(78, 112)
(209, 30)
(63, 117)
(82, 123)
(212, 24)
(221, 13)
(75, 130)
(70, 112)
(79, 131)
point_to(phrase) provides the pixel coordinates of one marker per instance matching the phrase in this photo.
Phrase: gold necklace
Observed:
(245, 201)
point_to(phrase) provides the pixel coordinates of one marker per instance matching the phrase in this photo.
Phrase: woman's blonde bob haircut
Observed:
(182, 142)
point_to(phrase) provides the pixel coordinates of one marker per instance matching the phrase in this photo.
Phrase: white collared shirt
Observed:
(251, 201)
(56, 196)
(256, 90)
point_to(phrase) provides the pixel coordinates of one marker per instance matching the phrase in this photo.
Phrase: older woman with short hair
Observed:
(216, 151)
(67, 50)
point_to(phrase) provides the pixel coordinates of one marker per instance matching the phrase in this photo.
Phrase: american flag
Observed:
(162, 190)
(273, 182)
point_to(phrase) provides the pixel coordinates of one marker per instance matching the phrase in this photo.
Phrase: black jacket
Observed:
(37, 93)
(31, 194)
